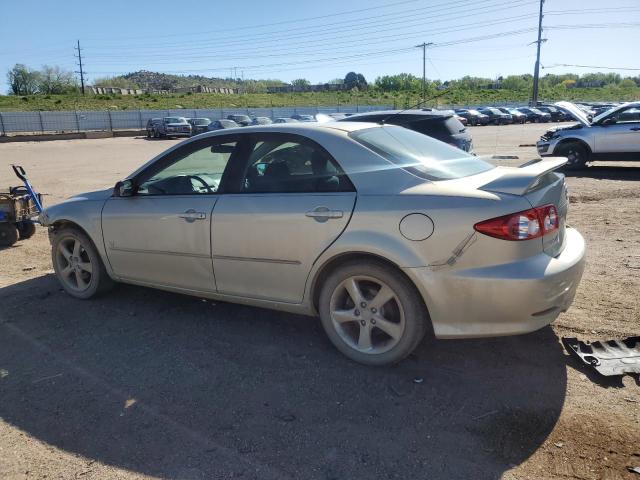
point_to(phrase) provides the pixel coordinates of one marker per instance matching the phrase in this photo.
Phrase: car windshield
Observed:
(535, 110)
(604, 114)
(175, 120)
(200, 121)
(474, 112)
(419, 154)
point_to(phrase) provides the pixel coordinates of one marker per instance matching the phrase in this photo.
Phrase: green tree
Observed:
(300, 82)
(22, 80)
(54, 80)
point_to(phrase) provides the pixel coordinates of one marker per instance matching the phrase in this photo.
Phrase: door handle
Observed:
(322, 214)
(191, 215)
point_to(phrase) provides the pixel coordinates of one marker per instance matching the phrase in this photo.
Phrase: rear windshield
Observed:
(174, 120)
(419, 154)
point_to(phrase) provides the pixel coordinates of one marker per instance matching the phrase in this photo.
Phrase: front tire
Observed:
(8, 234)
(372, 313)
(26, 230)
(78, 265)
(576, 153)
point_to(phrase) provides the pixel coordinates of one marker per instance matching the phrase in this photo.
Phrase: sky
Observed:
(320, 40)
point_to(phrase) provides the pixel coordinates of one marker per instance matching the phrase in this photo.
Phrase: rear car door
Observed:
(161, 235)
(285, 204)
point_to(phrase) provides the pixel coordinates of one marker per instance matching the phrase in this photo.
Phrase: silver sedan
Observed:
(384, 233)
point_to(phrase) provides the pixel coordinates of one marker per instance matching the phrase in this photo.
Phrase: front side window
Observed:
(627, 115)
(419, 154)
(196, 172)
(288, 164)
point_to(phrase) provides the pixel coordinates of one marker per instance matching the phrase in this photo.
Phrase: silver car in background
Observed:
(383, 232)
(612, 135)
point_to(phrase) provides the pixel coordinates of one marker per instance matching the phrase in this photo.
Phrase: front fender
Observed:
(83, 213)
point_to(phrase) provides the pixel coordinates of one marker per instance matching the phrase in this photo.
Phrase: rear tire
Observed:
(372, 313)
(26, 230)
(8, 234)
(576, 153)
(78, 265)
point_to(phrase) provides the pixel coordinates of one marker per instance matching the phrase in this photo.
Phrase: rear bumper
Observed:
(507, 299)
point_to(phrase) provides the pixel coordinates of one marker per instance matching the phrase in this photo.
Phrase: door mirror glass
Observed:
(124, 188)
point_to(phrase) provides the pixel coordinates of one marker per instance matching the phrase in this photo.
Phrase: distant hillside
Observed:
(165, 81)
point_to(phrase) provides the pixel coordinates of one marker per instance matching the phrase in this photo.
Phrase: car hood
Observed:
(574, 111)
(91, 196)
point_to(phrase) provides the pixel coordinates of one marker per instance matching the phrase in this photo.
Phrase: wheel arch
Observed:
(577, 140)
(61, 223)
(332, 263)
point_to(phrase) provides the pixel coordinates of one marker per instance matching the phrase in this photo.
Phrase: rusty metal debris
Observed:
(610, 357)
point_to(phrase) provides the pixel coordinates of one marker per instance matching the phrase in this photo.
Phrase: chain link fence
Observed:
(109, 120)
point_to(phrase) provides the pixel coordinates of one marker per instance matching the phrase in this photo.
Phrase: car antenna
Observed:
(386, 119)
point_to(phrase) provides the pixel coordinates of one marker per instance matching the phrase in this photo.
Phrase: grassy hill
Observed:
(255, 100)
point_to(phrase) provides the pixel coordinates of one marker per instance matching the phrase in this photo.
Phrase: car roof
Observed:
(404, 113)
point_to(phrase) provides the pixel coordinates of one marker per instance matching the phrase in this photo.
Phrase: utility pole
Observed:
(81, 72)
(424, 46)
(536, 72)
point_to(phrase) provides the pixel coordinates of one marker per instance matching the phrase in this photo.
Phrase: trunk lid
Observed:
(540, 185)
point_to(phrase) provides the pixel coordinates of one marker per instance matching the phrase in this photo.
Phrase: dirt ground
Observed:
(142, 383)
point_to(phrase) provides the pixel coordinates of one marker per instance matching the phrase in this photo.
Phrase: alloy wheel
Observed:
(367, 314)
(74, 264)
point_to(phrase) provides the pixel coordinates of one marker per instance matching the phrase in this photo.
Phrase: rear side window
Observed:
(440, 128)
(419, 154)
(292, 164)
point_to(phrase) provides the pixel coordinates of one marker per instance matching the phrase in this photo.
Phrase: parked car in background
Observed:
(462, 120)
(534, 115)
(173, 127)
(152, 123)
(441, 126)
(199, 125)
(474, 117)
(556, 115)
(241, 120)
(261, 121)
(304, 118)
(222, 124)
(496, 116)
(612, 135)
(365, 243)
(338, 115)
(517, 116)
(286, 120)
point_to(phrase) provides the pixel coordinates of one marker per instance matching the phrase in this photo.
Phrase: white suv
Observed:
(612, 135)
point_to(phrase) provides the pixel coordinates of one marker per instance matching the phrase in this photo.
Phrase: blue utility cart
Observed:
(19, 210)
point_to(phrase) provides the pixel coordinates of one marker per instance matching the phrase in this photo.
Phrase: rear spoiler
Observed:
(518, 181)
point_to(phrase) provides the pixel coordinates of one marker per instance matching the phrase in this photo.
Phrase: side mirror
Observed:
(124, 188)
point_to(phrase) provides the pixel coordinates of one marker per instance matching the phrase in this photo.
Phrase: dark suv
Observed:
(441, 126)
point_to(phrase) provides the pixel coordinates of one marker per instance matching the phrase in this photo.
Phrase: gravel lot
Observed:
(142, 383)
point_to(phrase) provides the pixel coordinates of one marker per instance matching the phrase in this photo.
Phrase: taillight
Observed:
(532, 223)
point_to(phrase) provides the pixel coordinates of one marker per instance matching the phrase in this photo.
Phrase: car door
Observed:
(623, 136)
(289, 200)
(161, 235)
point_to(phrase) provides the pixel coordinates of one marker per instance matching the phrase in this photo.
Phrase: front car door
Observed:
(622, 136)
(287, 202)
(161, 235)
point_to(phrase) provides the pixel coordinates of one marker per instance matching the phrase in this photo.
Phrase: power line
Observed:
(342, 31)
(590, 66)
